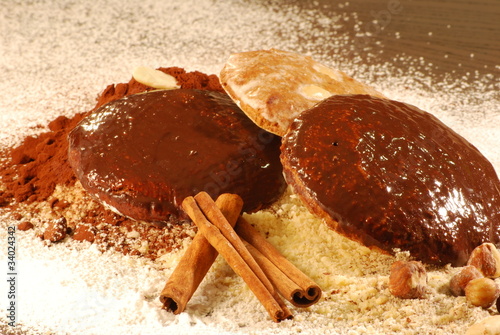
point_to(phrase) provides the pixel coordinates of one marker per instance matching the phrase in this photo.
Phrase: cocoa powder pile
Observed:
(41, 191)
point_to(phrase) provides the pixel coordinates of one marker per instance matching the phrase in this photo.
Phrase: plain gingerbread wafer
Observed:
(273, 87)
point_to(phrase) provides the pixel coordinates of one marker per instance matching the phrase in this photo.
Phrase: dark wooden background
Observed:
(458, 37)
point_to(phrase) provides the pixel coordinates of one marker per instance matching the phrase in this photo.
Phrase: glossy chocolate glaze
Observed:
(143, 154)
(392, 176)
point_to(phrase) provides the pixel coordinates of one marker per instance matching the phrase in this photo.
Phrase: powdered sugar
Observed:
(58, 55)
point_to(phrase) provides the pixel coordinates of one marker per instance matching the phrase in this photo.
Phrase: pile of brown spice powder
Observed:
(39, 188)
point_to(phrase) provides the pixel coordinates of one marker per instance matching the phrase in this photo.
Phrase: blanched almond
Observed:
(154, 78)
(487, 326)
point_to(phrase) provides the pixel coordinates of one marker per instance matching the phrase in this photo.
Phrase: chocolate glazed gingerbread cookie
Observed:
(389, 175)
(143, 154)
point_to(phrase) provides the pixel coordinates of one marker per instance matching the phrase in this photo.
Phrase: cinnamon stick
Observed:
(285, 286)
(197, 260)
(234, 259)
(290, 282)
(214, 215)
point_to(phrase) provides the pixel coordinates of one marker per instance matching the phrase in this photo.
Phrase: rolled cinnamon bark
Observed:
(234, 259)
(304, 292)
(197, 260)
(216, 217)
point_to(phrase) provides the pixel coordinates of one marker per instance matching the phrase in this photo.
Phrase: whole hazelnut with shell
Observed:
(408, 279)
(486, 258)
(482, 292)
(460, 280)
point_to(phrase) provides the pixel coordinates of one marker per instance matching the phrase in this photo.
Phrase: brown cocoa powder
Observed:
(85, 232)
(188, 80)
(56, 231)
(25, 225)
(39, 188)
(39, 164)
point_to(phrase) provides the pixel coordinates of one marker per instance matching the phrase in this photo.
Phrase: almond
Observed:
(154, 78)
(489, 325)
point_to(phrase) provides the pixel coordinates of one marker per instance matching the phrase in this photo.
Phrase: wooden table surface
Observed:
(457, 37)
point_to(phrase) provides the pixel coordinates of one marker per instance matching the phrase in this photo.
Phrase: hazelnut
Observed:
(408, 279)
(462, 278)
(486, 258)
(482, 292)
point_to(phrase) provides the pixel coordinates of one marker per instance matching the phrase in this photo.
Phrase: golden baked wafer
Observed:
(273, 87)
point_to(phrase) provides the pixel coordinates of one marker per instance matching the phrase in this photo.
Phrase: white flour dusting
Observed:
(58, 55)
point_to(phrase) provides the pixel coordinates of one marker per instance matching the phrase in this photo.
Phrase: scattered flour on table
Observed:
(59, 54)
(74, 288)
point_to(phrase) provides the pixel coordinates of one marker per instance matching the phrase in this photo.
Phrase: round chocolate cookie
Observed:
(389, 175)
(143, 154)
